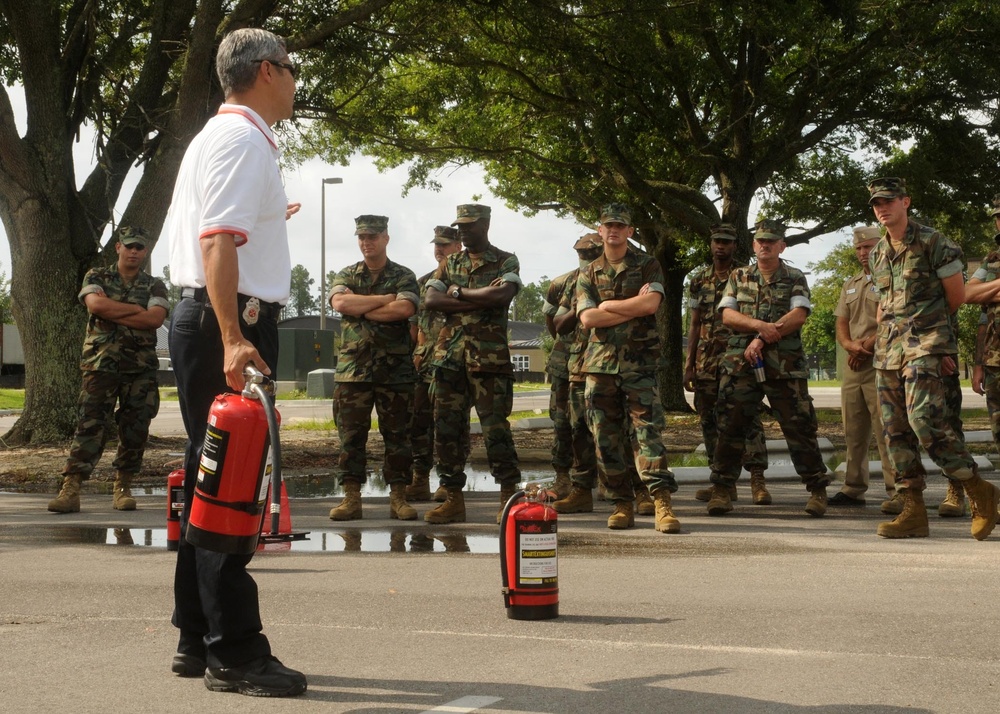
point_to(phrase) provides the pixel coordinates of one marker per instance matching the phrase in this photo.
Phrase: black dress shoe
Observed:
(264, 677)
(188, 665)
(842, 499)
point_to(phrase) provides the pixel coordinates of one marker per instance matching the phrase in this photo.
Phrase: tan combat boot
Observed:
(398, 507)
(451, 511)
(953, 505)
(984, 498)
(705, 494)
(350, 508)
(758, 488)
(666, 521)
(893, 504)
(719, 501)
(122, 499)
(579, 500)
(644, 505)
(912, 522)
(440, 495)
(816, 505)
(68, 500)
(420, 487)
(561, 486)
(506, 491)
(622, 517)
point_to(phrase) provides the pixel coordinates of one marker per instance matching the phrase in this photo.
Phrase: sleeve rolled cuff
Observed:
(437, 285)
(159, 302)
(801, 301)
(548, 308)
(92, 289)
(337, 289)
(949, 269)
(412, 297)
(513, 278)
(657, 288)
(729, 302)
(693, 304)
(980, 275)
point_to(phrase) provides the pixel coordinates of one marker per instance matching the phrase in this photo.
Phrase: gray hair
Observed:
(236, 62)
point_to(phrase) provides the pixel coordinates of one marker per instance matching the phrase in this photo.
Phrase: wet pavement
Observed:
(763, 610)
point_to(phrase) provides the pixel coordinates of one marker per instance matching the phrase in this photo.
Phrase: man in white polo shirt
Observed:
(229, 254)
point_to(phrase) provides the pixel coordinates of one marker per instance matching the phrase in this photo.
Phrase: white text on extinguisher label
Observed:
(213, 454)
(537, 562)
(265, 482)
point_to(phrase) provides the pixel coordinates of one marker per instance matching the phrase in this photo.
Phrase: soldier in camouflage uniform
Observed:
(766, 305)
(472, 359)
(617, 298)
(707, 342)
(424, 329)
(375, 299)
(918, 273)
(119, 364)
(983, 289)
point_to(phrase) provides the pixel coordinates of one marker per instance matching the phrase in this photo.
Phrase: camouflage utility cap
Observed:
(995, 210)
(723, 231)
(863, 234)
(471, 212)
(589, 242)
(769, 230)
(370, 224)
(129, 235)
(886, 187)
(616, 213)
(443, 235)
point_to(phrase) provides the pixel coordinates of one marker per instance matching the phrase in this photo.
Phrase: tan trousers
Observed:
(862, 415)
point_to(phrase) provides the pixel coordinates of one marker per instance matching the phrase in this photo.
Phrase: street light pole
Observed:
(322, 251)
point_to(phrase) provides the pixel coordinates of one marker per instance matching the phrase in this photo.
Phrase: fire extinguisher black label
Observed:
(537, 563)
(213, 456)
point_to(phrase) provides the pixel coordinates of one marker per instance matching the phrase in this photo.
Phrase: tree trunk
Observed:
(670, 324)
(54, 327)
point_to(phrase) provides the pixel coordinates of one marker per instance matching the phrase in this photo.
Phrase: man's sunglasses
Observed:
(293, 69)
(134, 246)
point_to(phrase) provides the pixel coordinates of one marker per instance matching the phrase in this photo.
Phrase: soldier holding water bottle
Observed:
(766, 305)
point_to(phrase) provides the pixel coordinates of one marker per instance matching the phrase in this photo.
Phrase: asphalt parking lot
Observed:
(763, 610)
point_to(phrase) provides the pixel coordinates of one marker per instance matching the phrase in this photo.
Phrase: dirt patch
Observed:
(37, 468)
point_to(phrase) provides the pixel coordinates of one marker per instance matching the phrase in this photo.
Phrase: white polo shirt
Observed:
(229, 182)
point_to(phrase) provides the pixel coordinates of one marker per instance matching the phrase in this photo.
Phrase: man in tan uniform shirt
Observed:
(856, 321)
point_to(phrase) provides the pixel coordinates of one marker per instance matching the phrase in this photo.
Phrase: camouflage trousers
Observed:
(612, 401)
(493, 396)
(706, 398)
(584, 472)
(991, 382)
(138, 401)
(352, 412)
(422, 428)
(562, 437)
(921, 408)
(740, 397)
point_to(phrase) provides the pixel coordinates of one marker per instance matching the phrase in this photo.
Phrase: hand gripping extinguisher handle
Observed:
(255, 389)
(504, 576)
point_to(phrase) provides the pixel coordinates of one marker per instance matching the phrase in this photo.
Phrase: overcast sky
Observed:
(543, 243)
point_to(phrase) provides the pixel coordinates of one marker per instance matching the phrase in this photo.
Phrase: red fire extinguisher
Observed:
(241, 457)
(175, 506)
(529, 568)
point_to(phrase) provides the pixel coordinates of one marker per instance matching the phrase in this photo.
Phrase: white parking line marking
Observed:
(465, 704)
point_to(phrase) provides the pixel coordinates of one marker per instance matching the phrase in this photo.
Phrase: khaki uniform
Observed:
(859, 404)
(913, 337)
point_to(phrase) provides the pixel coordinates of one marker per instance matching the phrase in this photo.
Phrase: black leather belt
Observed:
(268, 310)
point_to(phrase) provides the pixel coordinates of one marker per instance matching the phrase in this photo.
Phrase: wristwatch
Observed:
(457, 292)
